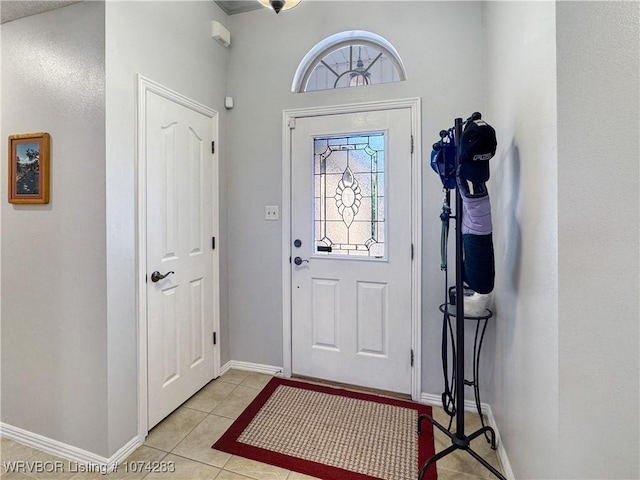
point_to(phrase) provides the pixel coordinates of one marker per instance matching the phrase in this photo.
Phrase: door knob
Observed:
(156, 276)
(298, 261)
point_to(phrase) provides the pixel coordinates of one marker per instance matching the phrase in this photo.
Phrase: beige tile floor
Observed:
(186, 436)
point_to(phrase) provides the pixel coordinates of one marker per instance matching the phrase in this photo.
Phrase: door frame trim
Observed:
(289, 117)
(144, 86)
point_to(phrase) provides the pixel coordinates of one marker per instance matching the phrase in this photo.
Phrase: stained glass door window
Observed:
(349, 195)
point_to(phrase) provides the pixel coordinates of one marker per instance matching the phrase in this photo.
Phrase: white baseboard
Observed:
(502, 453)
(470, 406)
(91, 461)
(250, 367)
(96, 463)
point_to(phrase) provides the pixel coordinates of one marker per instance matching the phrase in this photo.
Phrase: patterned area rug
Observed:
(331, 433)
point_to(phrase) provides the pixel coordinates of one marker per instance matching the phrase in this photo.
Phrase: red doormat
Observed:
(331, 433)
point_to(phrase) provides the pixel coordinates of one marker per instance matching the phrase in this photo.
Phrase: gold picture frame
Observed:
(29, 162)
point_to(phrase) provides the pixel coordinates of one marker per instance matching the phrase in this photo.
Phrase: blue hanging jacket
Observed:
(443, 159)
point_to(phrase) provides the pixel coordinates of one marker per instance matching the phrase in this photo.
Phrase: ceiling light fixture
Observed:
(360, 75)
(278, 5)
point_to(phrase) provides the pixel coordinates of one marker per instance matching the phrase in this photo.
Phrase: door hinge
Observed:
(292, 123)
(411, 143)
(215, 339)
(213, 147)
(412, 251)
(213, 243)
(412, 357)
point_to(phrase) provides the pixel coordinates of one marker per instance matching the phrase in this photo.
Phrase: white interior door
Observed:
(351, 207)
(180, 306)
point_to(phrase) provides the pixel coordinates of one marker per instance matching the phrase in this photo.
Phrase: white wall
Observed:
(563, 93)
(54, 359)
(170, 43)
(265, 52)
(69, 365)
(598, 216)
(521, 105)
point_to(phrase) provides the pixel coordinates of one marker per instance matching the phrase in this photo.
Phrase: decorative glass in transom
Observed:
(349, 195)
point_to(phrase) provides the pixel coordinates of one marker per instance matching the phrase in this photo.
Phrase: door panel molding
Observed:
(144, 87)
(288, 123)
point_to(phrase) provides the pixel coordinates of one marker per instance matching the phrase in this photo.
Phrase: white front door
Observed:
(351, 233)
(180, 306)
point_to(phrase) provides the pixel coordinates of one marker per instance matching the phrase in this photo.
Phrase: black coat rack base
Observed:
(459, 441)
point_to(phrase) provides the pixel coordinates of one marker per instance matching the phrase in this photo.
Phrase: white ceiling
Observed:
(15, 9)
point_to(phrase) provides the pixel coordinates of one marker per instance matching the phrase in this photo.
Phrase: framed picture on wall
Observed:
(29, 158)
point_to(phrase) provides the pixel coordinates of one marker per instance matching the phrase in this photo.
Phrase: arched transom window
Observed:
(348, 59)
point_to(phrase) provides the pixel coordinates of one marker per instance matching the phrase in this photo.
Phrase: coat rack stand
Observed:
(459, 441)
